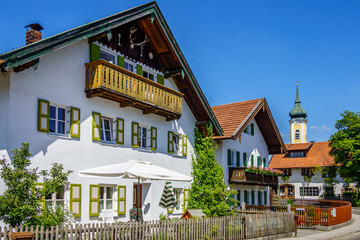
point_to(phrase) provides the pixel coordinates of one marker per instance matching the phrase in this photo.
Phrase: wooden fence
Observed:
(231, 227)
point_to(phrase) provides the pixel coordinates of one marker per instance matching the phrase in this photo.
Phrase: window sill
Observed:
(112, 144)
(57, 135)
(177, 156)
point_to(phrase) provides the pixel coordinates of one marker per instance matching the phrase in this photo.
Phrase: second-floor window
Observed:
(286, 172)
(57, 119)
(106, 129)
(176, 141)
(148, 75)
(107, 56)
(307, 172)
(129, 66)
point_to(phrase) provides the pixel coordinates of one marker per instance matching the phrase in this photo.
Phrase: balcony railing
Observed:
(104, 79)
(238, 175)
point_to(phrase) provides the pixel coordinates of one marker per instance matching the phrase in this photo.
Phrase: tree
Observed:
(21, 203)
(345, 146)
(208, 190)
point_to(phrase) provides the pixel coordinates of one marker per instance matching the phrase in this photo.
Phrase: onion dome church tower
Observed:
(298, 121)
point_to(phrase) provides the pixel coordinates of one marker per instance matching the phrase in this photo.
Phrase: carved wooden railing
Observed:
(241, 176)
(102, 74)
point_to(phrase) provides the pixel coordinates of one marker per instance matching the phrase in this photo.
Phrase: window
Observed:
(286, 171)
(144, 136)
(106, 129)
(297, 154)
(107, 56)
(282, 191)
(297, 134)
(307, 172)
(309, 191)
(290, 191)
(148, 75)
(55, 200)
(129, 66)
(106, 198)
(57, 119)
(232, 158)
(178, 193)
(176, 141)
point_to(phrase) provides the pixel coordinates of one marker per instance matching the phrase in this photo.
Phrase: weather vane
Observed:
(297, 83)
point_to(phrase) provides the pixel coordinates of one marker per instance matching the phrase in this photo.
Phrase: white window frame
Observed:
(53, 200)
(107, 51)
(66, 121)
(179, 152)
(147, 137)
(102, 130)
(179, 199)
(130, 63)
(105, 198)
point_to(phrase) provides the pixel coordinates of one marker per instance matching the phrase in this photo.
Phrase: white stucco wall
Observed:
(60, 78)
(254, 145)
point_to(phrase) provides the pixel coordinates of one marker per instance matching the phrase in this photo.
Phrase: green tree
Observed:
(208, 190)
(21, 203)
(345, 146)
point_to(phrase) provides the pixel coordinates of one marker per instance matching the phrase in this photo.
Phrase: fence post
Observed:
(289, 207)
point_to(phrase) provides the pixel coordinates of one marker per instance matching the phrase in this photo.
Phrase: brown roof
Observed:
(235, 117)
(318, 155)
(297, 146)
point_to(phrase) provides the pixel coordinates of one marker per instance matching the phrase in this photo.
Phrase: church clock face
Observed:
(296, 122)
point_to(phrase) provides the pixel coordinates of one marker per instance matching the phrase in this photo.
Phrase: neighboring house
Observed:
(250, 135)
(301, 158)
(106, 92)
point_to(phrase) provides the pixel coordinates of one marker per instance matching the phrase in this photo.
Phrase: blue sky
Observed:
(240, 50)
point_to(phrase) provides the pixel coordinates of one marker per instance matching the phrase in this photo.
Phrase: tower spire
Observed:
(297, 111)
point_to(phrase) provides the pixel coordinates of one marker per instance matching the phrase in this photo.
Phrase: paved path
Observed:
(349, 232)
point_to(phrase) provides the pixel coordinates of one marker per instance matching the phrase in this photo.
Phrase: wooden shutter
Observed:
(134, 134)
(75, 122)
(252, 129)
(94, 52)
(153, 138)
(184, 145)
(94, 204)
(252, 160)
(239, 197)
(229, 157)
(96, 126)
(170, 142)
(265, 198)
(259, 161)
(252, 197)
(186, 198)
(121, 61)
(259, 198)
(75, 199)
(160, 79)
(139, 70)
(238, 159)
(303, 172)
(246, 197)
(264, 162)
(121, 200)
(289, 171)
(43, 115)
(245, 159)
(120, 131)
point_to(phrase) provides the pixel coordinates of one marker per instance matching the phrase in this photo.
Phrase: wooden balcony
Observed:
(238, 175)
(106, 80)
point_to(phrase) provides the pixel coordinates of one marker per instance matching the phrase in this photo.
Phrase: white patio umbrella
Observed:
(135, 169)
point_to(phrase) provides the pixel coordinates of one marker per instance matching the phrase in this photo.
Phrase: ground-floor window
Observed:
(106, 198)
(178, 193)
(309, 191)
(55, 200)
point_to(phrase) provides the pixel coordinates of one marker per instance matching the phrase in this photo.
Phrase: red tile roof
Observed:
(318, 155)
(297, 146)
(231, 115)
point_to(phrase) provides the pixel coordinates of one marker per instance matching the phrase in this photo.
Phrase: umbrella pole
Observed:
(137, 200)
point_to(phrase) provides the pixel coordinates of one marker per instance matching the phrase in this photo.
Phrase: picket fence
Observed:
(231, 227)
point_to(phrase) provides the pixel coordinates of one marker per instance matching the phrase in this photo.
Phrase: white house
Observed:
(106, 92)
(250, 135)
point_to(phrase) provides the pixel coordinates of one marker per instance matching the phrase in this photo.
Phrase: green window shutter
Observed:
(94, 197)
(94, 52)
(229, 157)
(252, 129)
(252, 160)
(75, 122)
(259, 161)
(120, 131)
(184, 145)
(186, 198)
(43, 115)
(170, 142)
(75, 199)
(160, 79)
(121, 61)
(246, 197)
(238, 159)
(252, 197)
(96, 126)
(259, 198)
(265, 198)
(239, 197)
(245, 159)
(135, 134)
(40, 186)
(153, 138)
(139, 70)
(264, 162)
(121, 200)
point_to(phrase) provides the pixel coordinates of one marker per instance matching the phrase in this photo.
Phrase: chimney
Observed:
(33, 34)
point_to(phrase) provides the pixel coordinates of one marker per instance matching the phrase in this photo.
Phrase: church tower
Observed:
(298, 121)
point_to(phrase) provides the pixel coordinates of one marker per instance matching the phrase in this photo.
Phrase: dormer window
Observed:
(107, 56)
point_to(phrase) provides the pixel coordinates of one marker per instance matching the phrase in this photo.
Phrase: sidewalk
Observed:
(320, 235)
